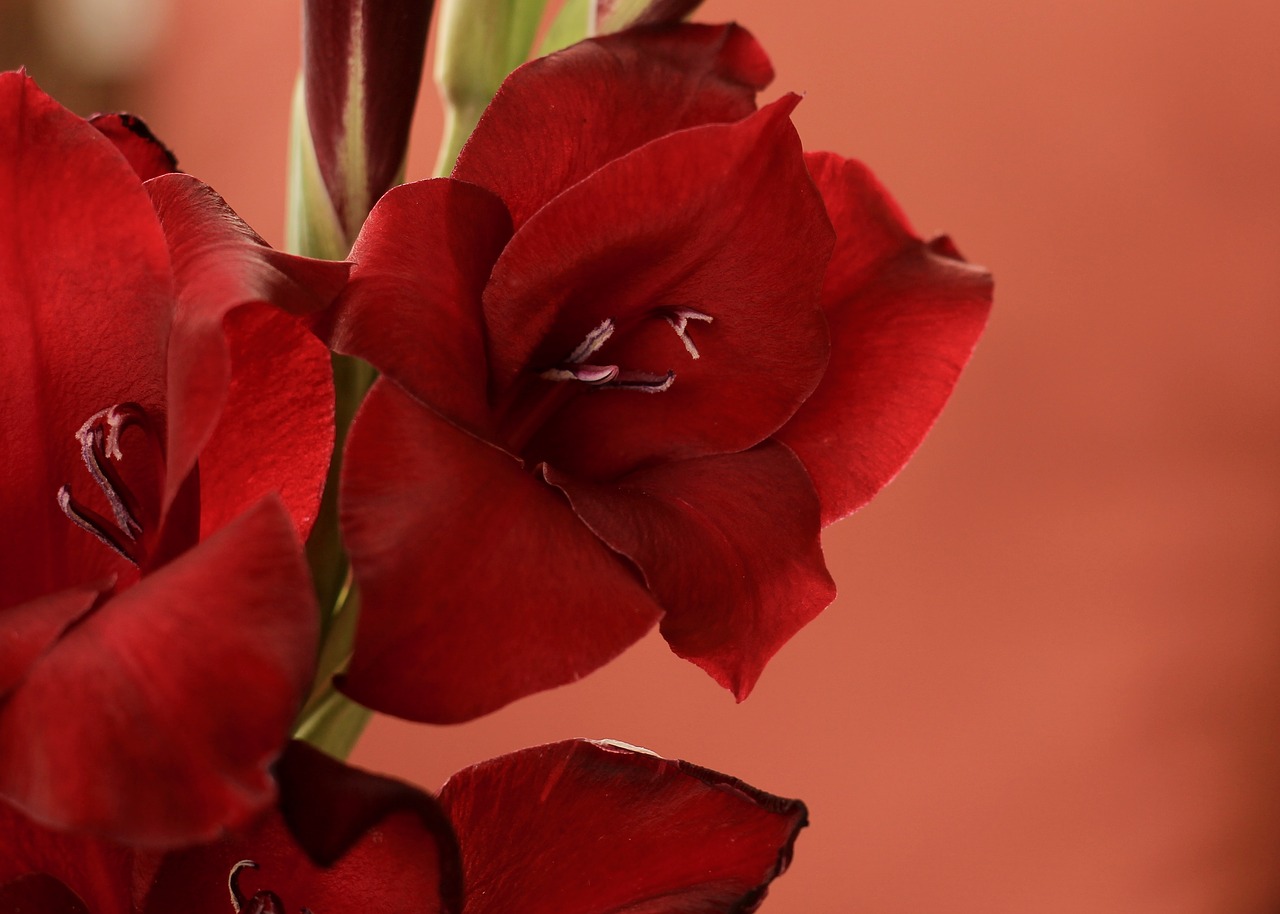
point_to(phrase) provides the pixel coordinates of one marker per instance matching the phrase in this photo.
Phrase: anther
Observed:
(595, 375)
(679, 319)
(642, 381)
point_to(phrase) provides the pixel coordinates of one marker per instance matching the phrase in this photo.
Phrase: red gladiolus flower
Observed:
(569, 828)
(626, 378)
(166, 434)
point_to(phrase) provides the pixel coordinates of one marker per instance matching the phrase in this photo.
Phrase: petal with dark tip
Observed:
(228, 628)
(479, 584)
(148, 156)
(729, 546)
(905, 315)
(330, 806)
(582, 827)
(626, 89)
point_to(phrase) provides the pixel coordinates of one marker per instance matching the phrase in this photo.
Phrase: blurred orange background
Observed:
(1051, 682)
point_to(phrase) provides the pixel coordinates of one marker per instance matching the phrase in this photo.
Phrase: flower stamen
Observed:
(679, 319)
(99, 439)
(97, 447)
(595, 339)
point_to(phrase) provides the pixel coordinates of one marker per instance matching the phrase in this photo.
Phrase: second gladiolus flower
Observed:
(603, 340)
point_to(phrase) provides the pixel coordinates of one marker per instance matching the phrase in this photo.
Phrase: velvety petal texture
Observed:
(181, 689)
(601, 828)
(905, 315)
(157, 614)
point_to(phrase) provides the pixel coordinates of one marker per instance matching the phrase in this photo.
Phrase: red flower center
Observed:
(528, 406)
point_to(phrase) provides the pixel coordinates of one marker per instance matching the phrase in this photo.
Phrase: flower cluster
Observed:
(632, 354)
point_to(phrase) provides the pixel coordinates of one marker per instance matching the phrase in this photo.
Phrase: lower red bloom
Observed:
(157, 628)
(569, 828)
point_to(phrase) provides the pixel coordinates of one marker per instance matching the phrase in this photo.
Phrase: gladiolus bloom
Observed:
(626, 378)
(568, 828)
(167, 429)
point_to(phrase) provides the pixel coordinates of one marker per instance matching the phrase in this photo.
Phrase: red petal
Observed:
(87, 311)
(73, 870)
(31, 628)
(559, 118)
(480, 585)
(905, 315)
(276, 427)
(221, 265)
(413, 306)
(181, 690)
(722, 220)
(392, 867)
(596, 828)
(330, 806)
(148, 156)
(383, 42)
(728, 545)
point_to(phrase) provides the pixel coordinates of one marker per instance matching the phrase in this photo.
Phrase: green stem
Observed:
(335, 724)
(330, 720)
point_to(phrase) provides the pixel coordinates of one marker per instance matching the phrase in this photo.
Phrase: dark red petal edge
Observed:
(582, 827)
(148, 156)
(329, 806)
